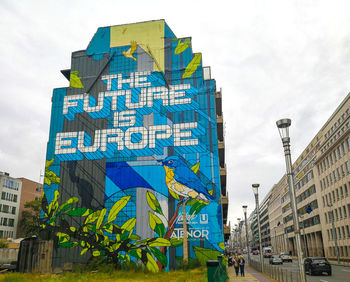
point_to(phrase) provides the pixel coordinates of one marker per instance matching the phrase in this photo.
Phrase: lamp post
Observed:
(305, 239)
(334, 234)
(256, 194)
(239, 235)
(283, 128)
(246, 231)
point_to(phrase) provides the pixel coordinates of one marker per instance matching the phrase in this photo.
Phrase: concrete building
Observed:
(322, 183)
(10, 190)
(141, 123)
(31, 191)
(332, 173)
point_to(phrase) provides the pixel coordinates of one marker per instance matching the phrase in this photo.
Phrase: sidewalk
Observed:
(250, 275)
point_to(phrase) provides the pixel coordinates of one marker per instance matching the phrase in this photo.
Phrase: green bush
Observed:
(3, 244)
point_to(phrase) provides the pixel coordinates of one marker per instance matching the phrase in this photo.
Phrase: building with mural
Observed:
(136, 141)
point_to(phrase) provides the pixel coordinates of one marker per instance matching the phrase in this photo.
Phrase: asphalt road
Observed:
(339, 273)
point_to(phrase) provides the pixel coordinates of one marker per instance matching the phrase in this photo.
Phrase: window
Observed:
(346, 190)
(344, 210)
(340, 213)
(336, 214)
(13, 210)
(341, 192)
(347, 167)
(38, 189)
(325, 215)
(15, 198)
(11, 222)
(337, 192)
(323, 201)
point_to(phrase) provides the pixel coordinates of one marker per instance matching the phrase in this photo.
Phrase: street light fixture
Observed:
(256, 194)
(246, 231)
(283, 128)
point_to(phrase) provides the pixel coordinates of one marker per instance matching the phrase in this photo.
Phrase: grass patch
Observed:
(199, 274)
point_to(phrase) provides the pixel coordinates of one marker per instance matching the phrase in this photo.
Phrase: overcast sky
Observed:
(272, 59)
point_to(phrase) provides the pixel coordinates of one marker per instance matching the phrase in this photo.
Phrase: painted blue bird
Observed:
(183, 181)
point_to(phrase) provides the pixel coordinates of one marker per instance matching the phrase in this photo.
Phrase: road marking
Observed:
(345, 270)
(323, 280)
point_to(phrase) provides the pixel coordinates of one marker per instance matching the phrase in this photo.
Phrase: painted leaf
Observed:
(156, 224)
(175, 196)
(101, 218)
(134, 237)
(79, 212)
(159, 242)
(74, 80)
(182, 46)
(54, 204)
(176, 242)
(153, 203)
(160, 256)
(51, 178)
(196, 208)
(48, 163)
(92, 217)
(68, 244)
(96, 253)
(203, 254)
(222, 246)
(117, 207)
(134, 254)
(191, 202)
(193, 65)
(84, 251)
(195, 168)
(129, 224)
(68, 204)
(151, 264)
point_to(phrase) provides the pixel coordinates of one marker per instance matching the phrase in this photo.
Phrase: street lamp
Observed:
(305, 239)
(246, 231)
(239, 235)
(256, 194)
(283, 128)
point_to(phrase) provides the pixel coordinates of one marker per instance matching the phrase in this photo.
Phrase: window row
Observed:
(340, 233)
(334, 156)
(306, 223)
(307, 193)
(7, 209)
(337, 213)
(9, 197)
(344, 251)
(4, 221)
(313, 205)
(6, 234)
(14, 185)
(335, 175)
(304, 180)
(335, 195)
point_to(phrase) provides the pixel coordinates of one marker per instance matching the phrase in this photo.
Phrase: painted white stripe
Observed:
(345, 270)
(323, 280)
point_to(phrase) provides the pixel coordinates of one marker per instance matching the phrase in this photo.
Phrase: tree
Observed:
(29, 224)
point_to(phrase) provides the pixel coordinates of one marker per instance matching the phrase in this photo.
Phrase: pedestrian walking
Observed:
(241, 263)
(236, 264)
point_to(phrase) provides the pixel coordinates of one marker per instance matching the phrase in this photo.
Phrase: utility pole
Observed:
(185, 244)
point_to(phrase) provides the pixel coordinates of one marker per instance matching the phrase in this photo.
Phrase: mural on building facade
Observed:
(124, 160)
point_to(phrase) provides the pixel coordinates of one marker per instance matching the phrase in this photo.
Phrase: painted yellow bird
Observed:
(130, 52)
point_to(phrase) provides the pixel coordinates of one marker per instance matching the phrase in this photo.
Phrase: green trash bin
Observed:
(223, 271)
(213, 271)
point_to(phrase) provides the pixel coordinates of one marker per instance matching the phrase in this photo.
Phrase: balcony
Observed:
(223, 170)
(224, 200)
(226, 230)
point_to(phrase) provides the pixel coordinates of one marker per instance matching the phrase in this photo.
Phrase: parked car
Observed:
(317, 265)
(285, 257)
(255, 252)
(8, 266)
(275, 259)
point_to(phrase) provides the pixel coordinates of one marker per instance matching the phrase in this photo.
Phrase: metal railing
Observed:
(277, 273)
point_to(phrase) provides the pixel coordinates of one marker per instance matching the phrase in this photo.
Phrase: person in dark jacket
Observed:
(236, 264)
(241, 263)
